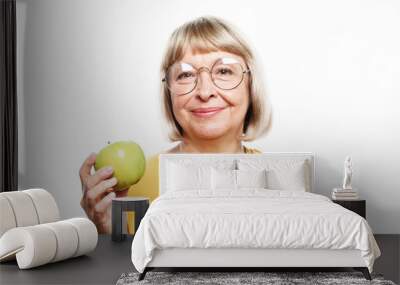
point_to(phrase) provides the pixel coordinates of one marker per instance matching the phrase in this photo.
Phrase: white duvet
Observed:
(251, 218)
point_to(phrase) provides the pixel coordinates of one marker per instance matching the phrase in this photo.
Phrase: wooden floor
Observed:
(389, 262)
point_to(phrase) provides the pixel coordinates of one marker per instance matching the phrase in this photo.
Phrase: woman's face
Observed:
(209, 112)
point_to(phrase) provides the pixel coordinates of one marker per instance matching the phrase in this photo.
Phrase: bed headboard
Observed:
(212, 158)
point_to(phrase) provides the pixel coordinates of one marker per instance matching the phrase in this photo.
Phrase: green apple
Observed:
(126, 158)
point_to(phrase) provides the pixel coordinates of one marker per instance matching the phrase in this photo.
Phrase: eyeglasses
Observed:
(226, 73)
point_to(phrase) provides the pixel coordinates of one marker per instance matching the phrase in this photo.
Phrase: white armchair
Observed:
(31, 231)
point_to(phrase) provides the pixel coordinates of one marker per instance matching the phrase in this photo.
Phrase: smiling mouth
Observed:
(206, 112)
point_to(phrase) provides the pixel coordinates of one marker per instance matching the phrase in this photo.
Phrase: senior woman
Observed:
(213, 99)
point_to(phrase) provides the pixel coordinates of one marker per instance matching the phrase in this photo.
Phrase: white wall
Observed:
(88, 74)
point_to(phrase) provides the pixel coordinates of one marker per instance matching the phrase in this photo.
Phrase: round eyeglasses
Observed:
(226, 73)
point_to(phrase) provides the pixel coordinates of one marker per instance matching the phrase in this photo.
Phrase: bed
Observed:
(245, 211)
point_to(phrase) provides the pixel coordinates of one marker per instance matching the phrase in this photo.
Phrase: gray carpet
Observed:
(270, 278)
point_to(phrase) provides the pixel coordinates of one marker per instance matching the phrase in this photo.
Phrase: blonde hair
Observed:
(207, 34)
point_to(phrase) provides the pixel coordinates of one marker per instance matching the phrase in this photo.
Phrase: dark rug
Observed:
(270, 278)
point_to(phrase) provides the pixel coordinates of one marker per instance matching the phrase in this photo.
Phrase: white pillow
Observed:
(188, 177)
(235, 179)
(282, 174)
(223, 179)
(287, 179)
(251, 178)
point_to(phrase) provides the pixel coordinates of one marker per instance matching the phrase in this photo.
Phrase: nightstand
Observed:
(357, 206)
(120, 206)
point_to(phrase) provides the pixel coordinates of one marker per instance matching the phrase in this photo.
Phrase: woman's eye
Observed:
(184, 75)
(224, 71)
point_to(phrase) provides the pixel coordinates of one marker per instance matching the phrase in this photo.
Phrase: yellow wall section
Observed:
(146, 187)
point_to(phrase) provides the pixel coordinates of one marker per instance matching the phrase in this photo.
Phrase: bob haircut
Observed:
(208, 34)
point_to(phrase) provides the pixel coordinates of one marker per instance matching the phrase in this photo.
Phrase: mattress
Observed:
(251, 219)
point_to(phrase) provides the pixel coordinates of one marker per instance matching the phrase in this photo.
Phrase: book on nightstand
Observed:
(344, 194)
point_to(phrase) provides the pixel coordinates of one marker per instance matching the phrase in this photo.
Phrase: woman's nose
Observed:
(205, 85)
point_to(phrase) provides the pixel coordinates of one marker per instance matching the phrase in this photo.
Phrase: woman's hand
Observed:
(97, 193)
